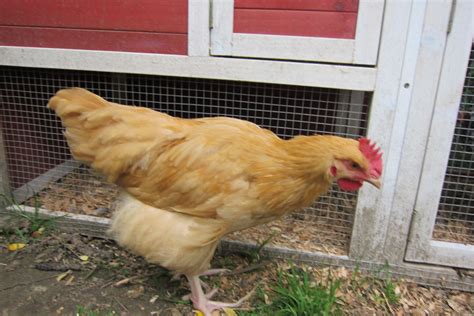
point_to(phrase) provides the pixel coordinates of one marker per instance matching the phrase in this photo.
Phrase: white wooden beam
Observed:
(367, 39)
(373, 207)
(198, 27)
(222, 27)
(429, 36)
(292, 47)
(292, 73)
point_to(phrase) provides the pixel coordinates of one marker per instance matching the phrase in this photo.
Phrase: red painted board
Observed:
(145, 42)
(309, 5)
(161, 16)
(295, 23)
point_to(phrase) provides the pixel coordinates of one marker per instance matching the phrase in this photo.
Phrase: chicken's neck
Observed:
(301, 174)
(311, 157)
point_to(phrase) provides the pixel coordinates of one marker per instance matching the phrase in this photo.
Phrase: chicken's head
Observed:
(351, 170)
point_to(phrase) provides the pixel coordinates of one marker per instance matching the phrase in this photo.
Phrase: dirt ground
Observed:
(70, 274)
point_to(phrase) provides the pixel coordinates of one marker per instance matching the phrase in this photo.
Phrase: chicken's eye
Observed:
(355, 165)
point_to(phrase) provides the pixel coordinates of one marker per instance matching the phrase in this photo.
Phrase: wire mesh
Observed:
(41, 169)
(455, 218)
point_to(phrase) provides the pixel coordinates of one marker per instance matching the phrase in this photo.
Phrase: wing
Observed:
(112, 138)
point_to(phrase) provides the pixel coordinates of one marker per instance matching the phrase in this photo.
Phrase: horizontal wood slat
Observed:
(160, 16)
(145, 42)
(312, 5)
(296, 23)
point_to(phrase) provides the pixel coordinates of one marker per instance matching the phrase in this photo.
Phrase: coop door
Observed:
(338, 31)
(442, 228)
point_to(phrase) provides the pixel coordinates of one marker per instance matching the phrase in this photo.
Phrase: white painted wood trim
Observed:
(361, 50)
(373, 207)
(456, 58)
(446, 254)
(292, 73)
(222, 27)
(198, 27)
(423, 62)
(292, 47)
(368, 29)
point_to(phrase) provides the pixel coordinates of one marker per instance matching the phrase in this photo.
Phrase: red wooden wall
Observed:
(315, 18)
(150, 26)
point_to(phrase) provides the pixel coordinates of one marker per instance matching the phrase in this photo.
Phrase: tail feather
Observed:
(112, 138)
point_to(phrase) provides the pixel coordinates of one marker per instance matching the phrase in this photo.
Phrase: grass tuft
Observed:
(295, 293)
(27, 225)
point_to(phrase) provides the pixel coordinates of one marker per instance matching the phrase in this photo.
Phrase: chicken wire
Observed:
(455, 218)
(42, 171)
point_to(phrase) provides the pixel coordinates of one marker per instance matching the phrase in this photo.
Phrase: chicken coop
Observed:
(398, 72)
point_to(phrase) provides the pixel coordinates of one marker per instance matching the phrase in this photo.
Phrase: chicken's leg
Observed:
(203, 303)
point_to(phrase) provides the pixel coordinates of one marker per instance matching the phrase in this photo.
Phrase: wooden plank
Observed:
(146, 42)
(278, 72)
(297, 23)
(198, 28)
(418, 81)
(423, 274)
(368, 30)
(292, 47)
(143, 15)
(222, 27)
(42, 182)
(444, 253)
(374, 207)
(320, 5)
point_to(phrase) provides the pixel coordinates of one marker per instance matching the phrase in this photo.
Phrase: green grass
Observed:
(83, 311)
(388, 285)
(295, 293)
(26, 223)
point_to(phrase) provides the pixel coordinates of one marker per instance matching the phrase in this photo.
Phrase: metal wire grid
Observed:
(455, 218)
(36, 149)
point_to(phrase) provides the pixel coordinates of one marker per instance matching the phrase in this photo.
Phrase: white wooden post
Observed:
(428, 67)
(386, 126)
(198, 27)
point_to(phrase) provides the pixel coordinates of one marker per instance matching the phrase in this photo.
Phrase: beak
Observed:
(375, 182)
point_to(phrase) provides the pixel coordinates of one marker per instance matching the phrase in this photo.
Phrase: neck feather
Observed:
(302, 171)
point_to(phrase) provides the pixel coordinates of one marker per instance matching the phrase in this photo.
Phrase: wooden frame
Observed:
(361, 50)
(421, 246)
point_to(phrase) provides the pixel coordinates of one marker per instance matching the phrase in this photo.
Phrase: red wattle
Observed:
(349, 185)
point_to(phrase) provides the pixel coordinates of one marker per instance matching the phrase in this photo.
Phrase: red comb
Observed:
(373, 155)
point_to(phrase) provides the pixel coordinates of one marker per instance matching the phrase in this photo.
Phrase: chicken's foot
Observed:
(202, 301)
